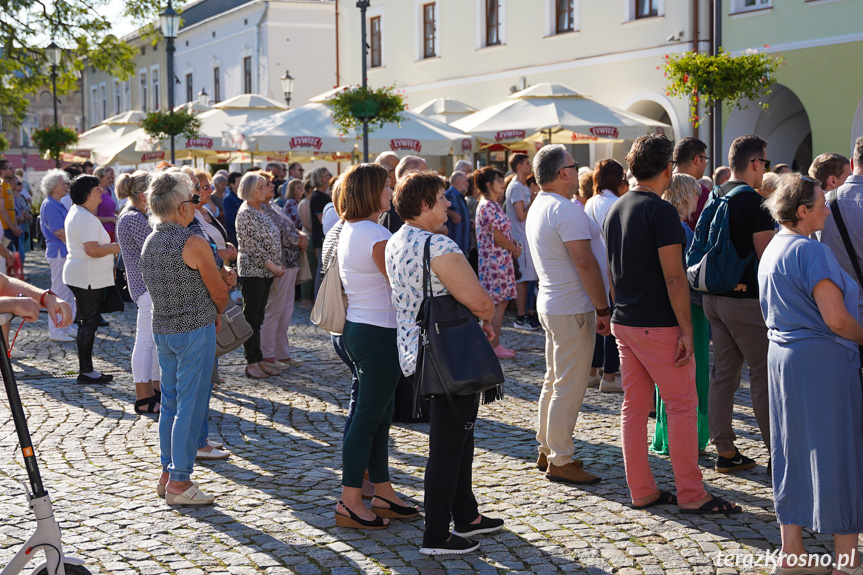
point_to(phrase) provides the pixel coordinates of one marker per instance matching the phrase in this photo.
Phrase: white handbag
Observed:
(331, 304)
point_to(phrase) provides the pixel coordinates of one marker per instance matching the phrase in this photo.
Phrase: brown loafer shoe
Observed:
(542, 462)
(571, 473)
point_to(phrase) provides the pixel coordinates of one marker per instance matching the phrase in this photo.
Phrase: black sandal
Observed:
(716, 506)
(356, 522)
(147, 405)
(395, 511)
(158, 395)
(665, 498)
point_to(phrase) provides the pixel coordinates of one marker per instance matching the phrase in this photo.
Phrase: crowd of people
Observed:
(603, 261)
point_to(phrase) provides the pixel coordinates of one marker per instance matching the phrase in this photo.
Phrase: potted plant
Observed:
(378, 106)
(54, 140)
(160, 125)
(705, 79)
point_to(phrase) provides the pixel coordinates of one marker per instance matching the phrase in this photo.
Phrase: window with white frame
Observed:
(247, 75)
(429, 29)
(127, 95)
(94, 105)
(142, 91)
(492, 22)
(564, 16)
(190, 89)
(748, 5)
(118, 98)
(155, 96)
(217, 85)
(641, 9)
(103, 101)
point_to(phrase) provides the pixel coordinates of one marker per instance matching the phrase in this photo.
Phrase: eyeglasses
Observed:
(196, 199)
(574, 166)
(766, 163)
(207, 188)
(703, 157)
(810, 180)
(499, 179)
(673, 163)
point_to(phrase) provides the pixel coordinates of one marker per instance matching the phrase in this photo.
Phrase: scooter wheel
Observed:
(71, 569)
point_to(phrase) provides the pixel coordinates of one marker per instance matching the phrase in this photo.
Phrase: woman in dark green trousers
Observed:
(370, 342)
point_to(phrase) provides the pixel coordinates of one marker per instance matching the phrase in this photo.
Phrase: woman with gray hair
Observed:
(52, 214)
(259, 246)
(188, 298)
(813, 367)
(133, 227)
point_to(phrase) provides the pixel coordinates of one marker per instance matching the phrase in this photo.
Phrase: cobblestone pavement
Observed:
(277, 491)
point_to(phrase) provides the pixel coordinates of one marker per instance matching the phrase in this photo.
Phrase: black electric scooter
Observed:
(47, 534)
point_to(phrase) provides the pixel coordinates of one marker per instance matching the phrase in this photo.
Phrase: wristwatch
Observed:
(603, 312)
(44, 293)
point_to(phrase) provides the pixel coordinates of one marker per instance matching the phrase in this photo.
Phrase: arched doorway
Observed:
(784, 124)
(651, 105)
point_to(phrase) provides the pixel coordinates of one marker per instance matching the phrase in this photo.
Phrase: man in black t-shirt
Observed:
(653, 327)
(739, 331)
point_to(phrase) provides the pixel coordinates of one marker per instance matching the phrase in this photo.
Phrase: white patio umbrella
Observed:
(308, 131)
(223, 116)
(106, 133)
(446, 110)
(554, 112)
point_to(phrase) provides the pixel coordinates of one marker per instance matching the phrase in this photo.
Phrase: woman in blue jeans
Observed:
(189, 296)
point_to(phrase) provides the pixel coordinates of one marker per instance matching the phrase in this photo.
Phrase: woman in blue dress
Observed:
(816, 401)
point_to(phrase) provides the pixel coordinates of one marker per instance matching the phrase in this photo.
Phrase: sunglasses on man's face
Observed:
(762, 160)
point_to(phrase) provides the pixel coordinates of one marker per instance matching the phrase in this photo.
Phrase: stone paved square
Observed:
(276, 494)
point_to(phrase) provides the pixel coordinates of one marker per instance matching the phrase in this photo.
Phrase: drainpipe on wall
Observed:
(338, 83)
(696, 33)
(717, 108)
(258, 47)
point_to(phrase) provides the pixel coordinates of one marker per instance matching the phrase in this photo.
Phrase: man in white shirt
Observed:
(572, 304)
(517, 205)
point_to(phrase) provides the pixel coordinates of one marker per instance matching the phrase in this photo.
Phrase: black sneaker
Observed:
(485, 525)
(534, 322)
(521, 322)
(454, 546)
(737, 463)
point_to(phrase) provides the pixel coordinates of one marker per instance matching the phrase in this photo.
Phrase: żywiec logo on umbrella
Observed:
(466, 145)
(604, 131)
(509, 135)
(405, 144)
(150, 156)
(306, 142)
(199, 143)
(577, 136)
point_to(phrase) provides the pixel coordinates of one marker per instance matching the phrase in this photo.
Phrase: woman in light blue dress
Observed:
(816, 402)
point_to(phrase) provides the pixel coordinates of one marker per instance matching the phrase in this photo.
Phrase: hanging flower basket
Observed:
(54, 140)
(161, 125)
(705, 79)
(378, 106)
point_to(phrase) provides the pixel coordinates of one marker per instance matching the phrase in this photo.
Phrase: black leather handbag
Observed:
(455, 357)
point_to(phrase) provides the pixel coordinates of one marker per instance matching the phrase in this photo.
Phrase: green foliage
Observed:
(81, 27)
(160, 125)
(54, 140)
(705, 79)
(351, 104)
(4, 143)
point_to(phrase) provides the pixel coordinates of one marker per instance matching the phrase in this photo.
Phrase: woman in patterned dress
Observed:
(496, 250)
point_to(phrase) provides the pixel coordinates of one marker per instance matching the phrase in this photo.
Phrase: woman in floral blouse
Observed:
(258, 262)
(280, 303)
(496, 249)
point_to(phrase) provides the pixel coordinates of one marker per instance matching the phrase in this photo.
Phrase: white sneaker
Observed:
(17, 354)
(212, 454)
(593, 380)
(614, 386)
(62, 337)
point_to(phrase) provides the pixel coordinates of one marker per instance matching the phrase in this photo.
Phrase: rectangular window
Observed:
(492, 22)
(190, 89)
(143, 92)
(103, 101)
(217, 86)
(745, 5)
(429, 31)
(564, 16)
(156, 96)
(118, 98)
(646, 8)
(375, 31)
(247, 75)
(94, 105)
(127, 95)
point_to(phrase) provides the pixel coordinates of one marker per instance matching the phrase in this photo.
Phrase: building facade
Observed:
(225, 48)
(480, 51)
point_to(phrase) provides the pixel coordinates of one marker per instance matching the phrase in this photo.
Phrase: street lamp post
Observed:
(203, 97)
(169, 21)
(54, 54)
(363, 6)
(287, 87)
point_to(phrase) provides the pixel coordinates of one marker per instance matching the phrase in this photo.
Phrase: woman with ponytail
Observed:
(133, 227)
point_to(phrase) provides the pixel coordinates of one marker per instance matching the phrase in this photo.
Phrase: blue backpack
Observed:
(712, 263)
